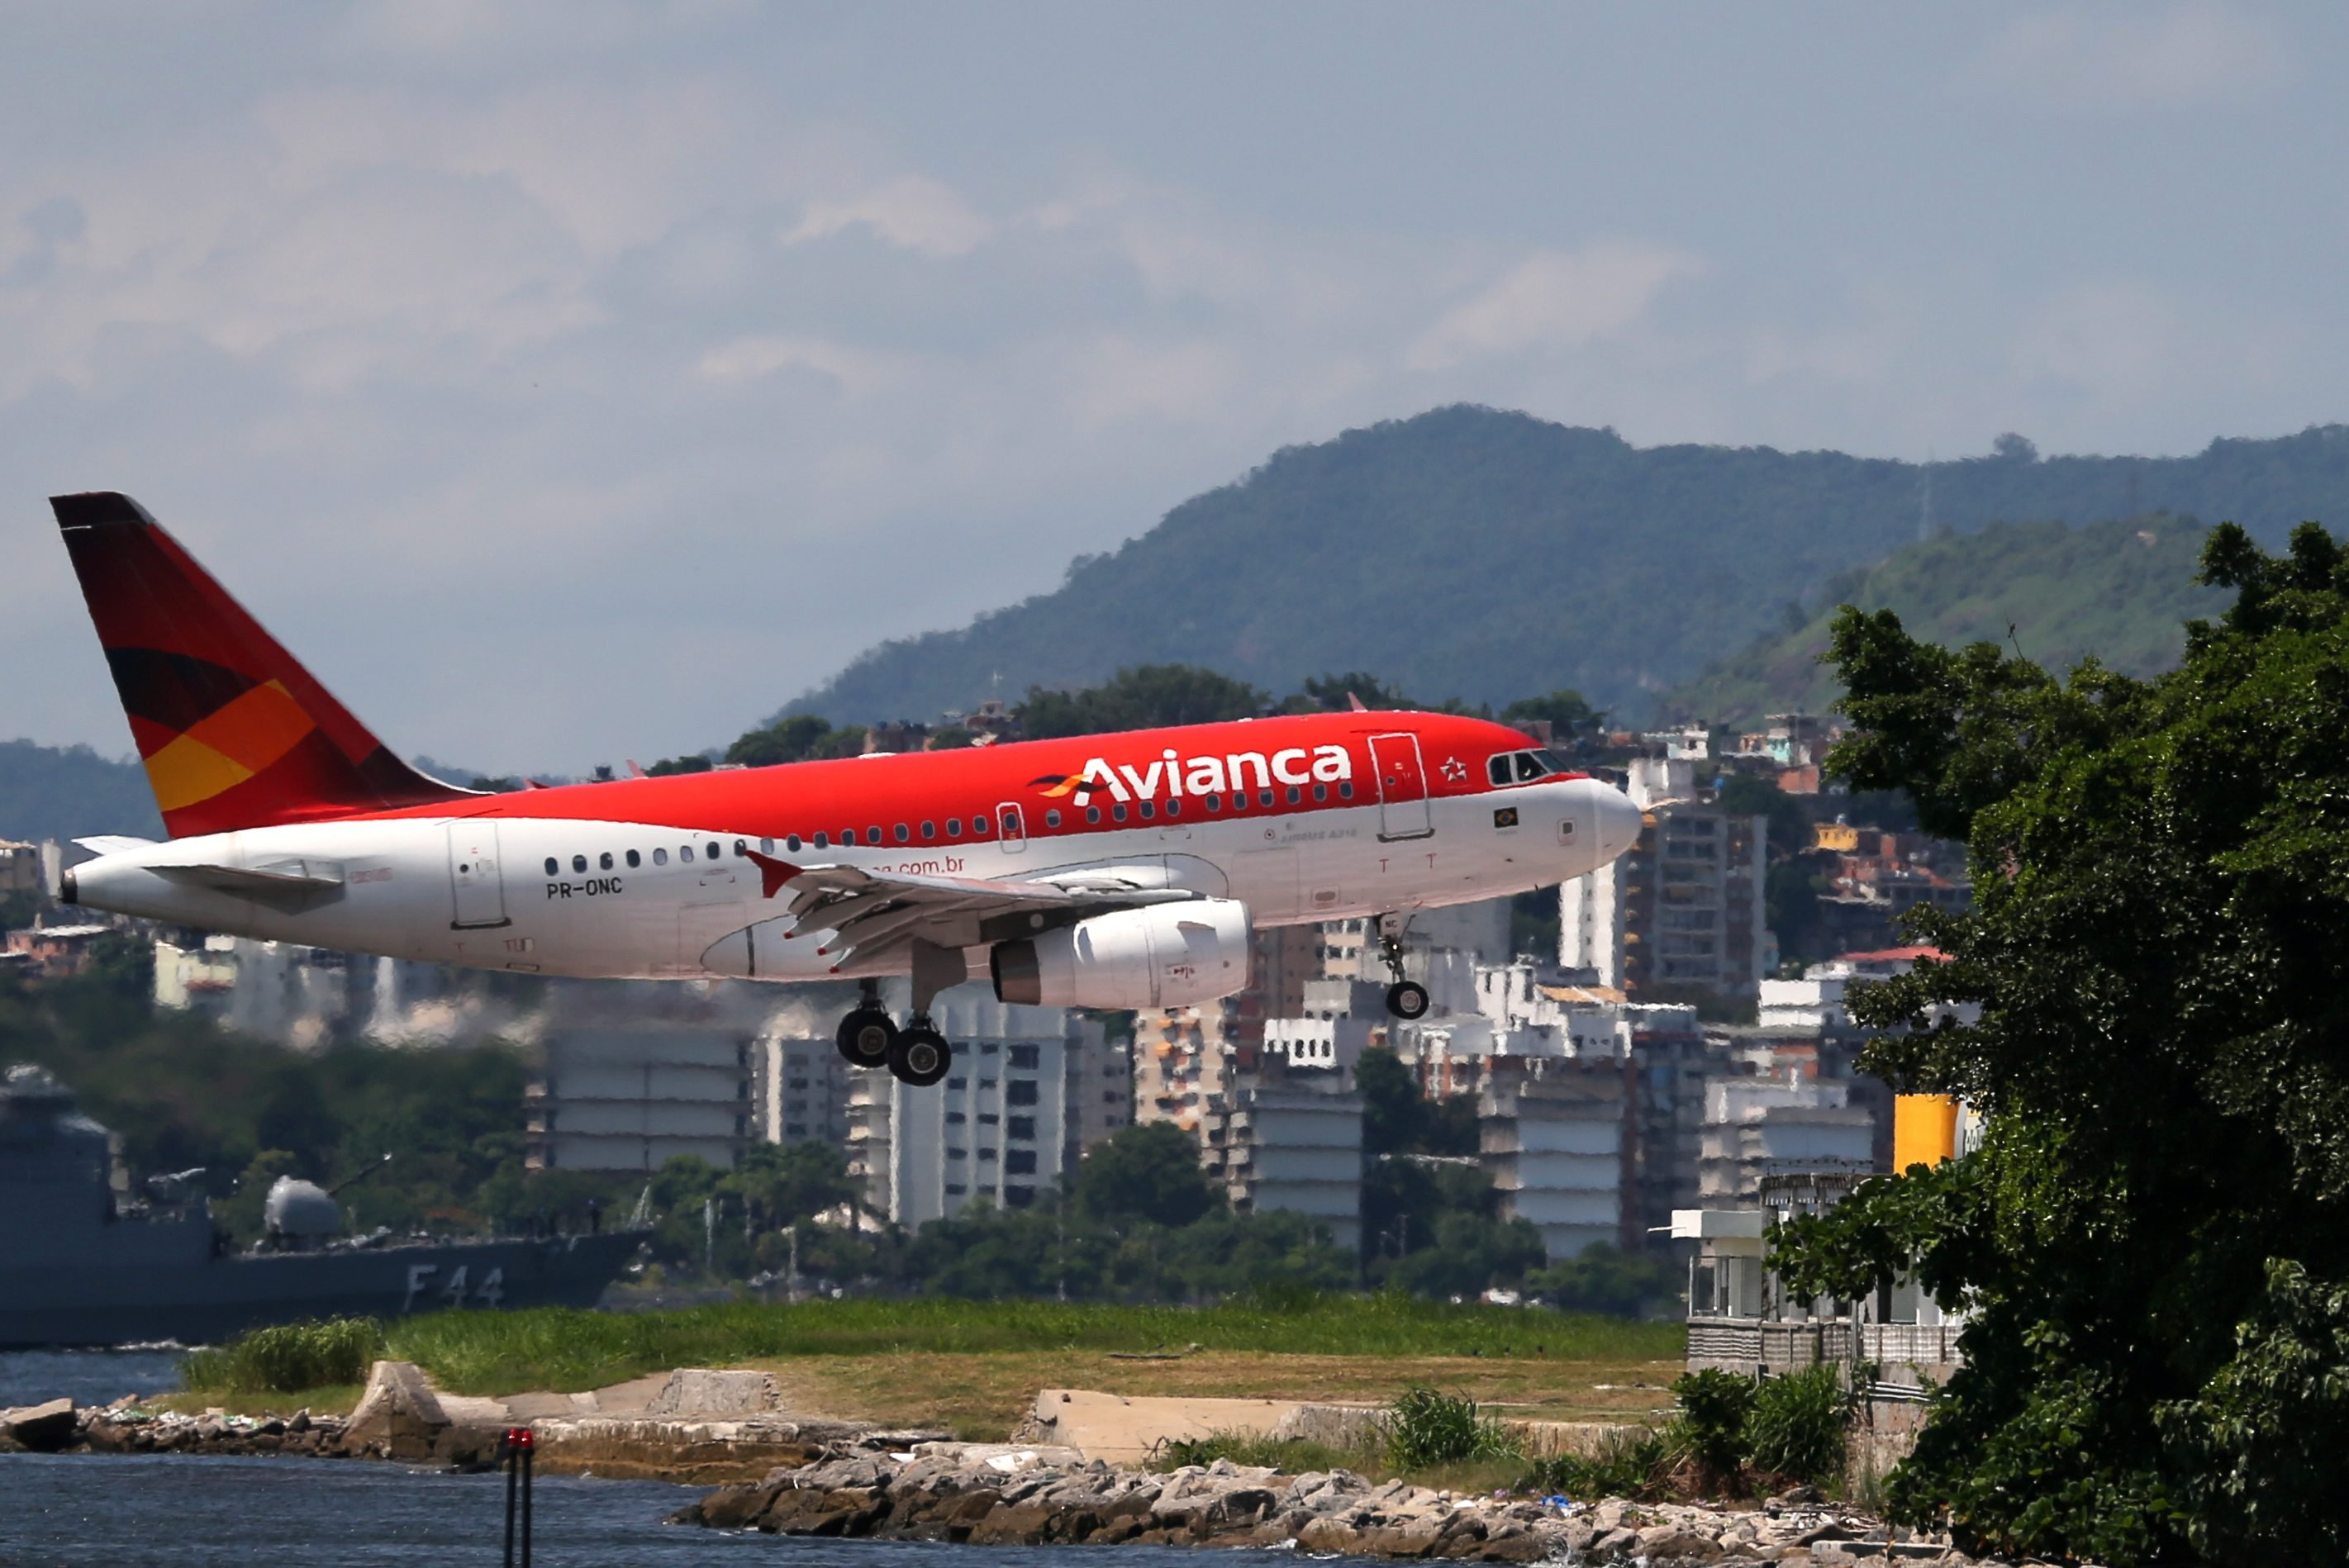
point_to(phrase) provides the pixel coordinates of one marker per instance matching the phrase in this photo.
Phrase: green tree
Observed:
(1569, 717)
(1398, 1119)
(786, 1184)
(1148, 696)
(1602, 1278)
(793, 740)
(1336, 694)
(2151, 1243)
(1147, 1172)
(669, 767)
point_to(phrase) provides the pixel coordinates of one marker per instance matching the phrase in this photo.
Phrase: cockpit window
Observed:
(1525, 766)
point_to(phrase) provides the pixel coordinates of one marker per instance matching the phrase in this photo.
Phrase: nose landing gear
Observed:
(1406, 999)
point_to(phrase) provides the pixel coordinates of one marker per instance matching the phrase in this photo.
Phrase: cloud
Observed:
(2183, 55)
(911, 211)
(1554, 300)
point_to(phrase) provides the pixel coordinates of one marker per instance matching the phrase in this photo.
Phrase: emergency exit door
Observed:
(474, 878)
(1402, 787)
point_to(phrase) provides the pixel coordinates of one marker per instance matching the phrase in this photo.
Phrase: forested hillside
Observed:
(67, 792)
(2118, 589)
(1480, 554)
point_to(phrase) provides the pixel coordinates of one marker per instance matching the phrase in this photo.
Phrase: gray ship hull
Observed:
(203, 1300)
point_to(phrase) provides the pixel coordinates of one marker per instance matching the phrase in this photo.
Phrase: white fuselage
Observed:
(476, 890)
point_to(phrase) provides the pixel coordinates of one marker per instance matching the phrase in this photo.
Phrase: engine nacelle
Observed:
(1161, 955)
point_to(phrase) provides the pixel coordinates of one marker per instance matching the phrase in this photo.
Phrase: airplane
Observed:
(1120, 870)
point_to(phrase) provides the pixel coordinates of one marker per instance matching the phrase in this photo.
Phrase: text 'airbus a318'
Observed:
(1114, 871)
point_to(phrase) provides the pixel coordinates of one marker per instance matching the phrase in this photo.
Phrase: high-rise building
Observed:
(1554, 1149)
(1683, 908)
(628, 1096)
(1029, 1090)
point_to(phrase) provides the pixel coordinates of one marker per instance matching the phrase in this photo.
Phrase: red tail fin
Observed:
(233, 731)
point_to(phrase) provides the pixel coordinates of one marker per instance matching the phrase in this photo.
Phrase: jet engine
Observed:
(1161, 955)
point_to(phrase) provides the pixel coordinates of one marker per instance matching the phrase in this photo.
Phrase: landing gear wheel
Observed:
(1407, 999)
(867, 1037)
(920, 1057)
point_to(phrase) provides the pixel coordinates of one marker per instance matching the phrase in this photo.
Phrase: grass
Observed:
(334, 1398)
(497, 1353)
(287, 1357)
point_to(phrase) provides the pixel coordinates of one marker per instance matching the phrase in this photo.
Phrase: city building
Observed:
(1330, 1044)
(1683, 909)
(20, 866)
(799, 1080)
(56, 952)
(1756, 1128)
(1030, 1089)
(628, 1096)
(282, 991)
(1291, 1138)
(1554, 1149)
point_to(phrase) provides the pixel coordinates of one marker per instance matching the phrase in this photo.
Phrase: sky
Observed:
(572, 382)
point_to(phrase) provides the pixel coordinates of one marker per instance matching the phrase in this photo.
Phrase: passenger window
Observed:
(1215, 803)
(712, 847)
(685, 851)
(872, 835)
(554, 866)
(904, 833)
(766, 846)
(824, 841)
(791, 843)
(929, 830)
(603, 861)
(660, 857)
(1052, 817)
(1263, 797)
(1118, 811)
(1011, 823)
(1320, 791)
(979, 826)
(1295, 794)
(1148, 810)
(954, 826)
(634, 860)
(1173, 807)
(1092, 813)
(579, 863)
(1345, 792)
(1239, 802)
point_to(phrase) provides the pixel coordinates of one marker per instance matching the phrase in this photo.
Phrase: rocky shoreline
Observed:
(996, 1494)
(129, 1426)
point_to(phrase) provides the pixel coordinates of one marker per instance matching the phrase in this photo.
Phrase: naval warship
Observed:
(85, 1263)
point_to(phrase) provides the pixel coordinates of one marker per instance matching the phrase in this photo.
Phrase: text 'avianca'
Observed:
(1174, 776)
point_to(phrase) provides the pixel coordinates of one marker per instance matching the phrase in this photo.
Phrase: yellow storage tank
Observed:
(1924, 1129)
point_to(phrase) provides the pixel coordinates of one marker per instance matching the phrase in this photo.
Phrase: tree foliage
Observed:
(2152, 1244)
(1147, 696)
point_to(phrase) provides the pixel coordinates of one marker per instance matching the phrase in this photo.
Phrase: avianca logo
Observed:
(1173, 777)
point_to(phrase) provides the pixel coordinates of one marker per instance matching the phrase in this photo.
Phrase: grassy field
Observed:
(497, 1353)
(974, 1367)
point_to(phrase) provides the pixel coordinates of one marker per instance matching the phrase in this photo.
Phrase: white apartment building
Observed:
(1815, 1003)
(1756, 1126)
(1029, 1090)
(799, 1083)
(628, 1096)
(20, 866)
(1684, 906)
(1333, 1045)
(1291, 1140)
(1554, 1147)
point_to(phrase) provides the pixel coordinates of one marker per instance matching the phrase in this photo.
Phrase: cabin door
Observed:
(475, 882)
(1402, 787)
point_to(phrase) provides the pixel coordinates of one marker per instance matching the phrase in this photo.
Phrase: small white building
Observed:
(1326, 1045)
(629, 1097)
(1817, 1002)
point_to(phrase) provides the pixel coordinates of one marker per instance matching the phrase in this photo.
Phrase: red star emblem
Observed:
(1454, 770)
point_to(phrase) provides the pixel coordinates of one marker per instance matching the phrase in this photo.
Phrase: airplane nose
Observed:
(1618, 820)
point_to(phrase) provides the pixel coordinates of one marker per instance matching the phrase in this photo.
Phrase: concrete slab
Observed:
(1124, 1429)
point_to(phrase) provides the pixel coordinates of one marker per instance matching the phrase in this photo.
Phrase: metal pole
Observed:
(528, 1448)
(507, 1451)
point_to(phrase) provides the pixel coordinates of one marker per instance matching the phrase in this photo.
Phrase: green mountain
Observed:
(1474, 554)
(2118, 589)
(68, 792)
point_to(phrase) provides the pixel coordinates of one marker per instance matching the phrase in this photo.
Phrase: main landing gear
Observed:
(1406, 999)
(916, 1055)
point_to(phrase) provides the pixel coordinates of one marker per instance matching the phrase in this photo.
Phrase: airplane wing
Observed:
(871, 916)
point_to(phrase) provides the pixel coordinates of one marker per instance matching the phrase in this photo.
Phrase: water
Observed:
(176, 1512)
(84, 1376)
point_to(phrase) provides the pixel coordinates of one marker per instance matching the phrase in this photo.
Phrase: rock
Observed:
(700, 1391)
(1609, 1544)
(1325, 1536)
(1677, 1544)
(736, 1507)
(1021, 1524)
(1513, 1544)
(400, 1415)
(42, 1428)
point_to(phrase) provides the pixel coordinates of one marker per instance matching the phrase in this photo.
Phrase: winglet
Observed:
(772, 873)
(1355, 703)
